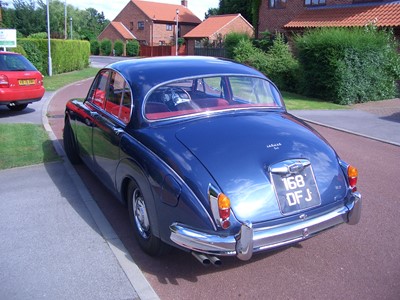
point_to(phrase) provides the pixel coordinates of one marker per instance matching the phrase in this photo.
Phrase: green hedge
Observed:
(66, 55)
(118, 48)
(132, 48)
(348, 66)
(277, 63)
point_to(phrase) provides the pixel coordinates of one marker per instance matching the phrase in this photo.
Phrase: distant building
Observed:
(151, 23)
(215, 28)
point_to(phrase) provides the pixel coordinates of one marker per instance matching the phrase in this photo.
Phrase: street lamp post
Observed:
(65, 19)
(176, 32)
(70, 20)
(50, 70)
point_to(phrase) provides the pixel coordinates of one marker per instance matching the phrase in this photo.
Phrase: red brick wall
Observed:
(237, 25)
(110, 33)
(273, 19)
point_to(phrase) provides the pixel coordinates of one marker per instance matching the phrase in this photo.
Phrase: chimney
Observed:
(184, 3)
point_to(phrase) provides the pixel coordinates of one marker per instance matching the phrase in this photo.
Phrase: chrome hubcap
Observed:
(140, 214)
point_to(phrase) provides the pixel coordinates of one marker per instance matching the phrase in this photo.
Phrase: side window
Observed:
(98, 92)
(211, 86)
(119, 98)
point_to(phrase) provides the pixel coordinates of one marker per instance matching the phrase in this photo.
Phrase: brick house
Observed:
(289, 16)
(152, 23)
(214, 30)
(116, 31)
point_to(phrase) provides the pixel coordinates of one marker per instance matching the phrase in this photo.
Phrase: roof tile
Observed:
(166, 12)
(382, 15)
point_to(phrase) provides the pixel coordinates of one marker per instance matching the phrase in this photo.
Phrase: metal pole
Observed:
(48, 40)
(176, 32)
(70, 19)
(65, 19)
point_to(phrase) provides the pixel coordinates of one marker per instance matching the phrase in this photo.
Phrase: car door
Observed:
(86, 118)
(110, 126)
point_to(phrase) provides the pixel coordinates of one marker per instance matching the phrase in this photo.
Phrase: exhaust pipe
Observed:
(206, 260)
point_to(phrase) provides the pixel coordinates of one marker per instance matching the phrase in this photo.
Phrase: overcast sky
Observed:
(111, 8)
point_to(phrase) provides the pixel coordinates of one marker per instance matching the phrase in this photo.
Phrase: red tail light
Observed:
(224, 209)
(352, 174)
(4, 81)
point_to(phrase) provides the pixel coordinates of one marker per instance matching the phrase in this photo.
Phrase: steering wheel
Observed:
(176, 98)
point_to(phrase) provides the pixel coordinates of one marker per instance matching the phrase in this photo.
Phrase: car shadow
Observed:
(6, 112)
(393, 117)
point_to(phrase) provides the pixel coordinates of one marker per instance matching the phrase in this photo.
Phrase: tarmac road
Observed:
(355, 262)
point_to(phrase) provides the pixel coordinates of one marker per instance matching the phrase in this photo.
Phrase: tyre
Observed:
(17, 107)
(70, 145)
(141, 223)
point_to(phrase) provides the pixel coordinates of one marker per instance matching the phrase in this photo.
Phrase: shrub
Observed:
(106, 47)
(278, 63)
(132, 48)
(232, 40)
(118, 48)
(94, 47)
(347, 66)
(39, 35)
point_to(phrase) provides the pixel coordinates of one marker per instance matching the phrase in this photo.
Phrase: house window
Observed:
(277, 3)
(365, 1)
(140, 25)
(131, 25)
(169, 27)
(314, 2)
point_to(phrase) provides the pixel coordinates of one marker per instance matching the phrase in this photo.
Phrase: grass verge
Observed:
(295, 101)
(25, 144)
(55, 82)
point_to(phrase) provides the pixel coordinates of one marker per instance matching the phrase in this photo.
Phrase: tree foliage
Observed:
(30, 17)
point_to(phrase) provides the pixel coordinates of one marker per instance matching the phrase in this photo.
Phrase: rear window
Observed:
(15, 62)
(204, 95)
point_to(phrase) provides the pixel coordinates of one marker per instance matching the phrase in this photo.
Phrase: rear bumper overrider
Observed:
(250, 240)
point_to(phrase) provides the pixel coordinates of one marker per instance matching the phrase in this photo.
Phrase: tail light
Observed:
(352, 174)
(220, 207)
(4, 81)
(224, 209)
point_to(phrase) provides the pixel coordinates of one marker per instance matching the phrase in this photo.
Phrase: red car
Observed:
(20, 82)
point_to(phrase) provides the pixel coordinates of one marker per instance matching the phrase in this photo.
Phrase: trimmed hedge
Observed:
(348, 65)
(118, 48)
(105, 47)
(66, 55)
(132, 48)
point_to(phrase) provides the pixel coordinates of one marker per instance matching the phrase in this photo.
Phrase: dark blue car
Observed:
(207, 159)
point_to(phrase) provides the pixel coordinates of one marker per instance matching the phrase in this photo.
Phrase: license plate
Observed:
(26, 81)
(296, 192)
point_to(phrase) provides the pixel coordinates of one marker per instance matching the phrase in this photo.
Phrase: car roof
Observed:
(145, 73)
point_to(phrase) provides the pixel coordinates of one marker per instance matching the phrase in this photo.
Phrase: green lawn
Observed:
(24, 144)
(55, 82)
(295, 101)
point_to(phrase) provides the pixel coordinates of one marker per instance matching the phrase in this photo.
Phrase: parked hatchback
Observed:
(20, 82)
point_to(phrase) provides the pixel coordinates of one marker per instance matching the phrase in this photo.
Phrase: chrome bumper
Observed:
(250, 240)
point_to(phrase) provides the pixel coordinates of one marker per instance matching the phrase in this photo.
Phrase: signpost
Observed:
(8, 38)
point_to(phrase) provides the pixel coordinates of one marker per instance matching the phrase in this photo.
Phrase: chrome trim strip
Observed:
(250, 240)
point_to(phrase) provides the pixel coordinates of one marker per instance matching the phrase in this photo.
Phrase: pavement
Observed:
(56, 242)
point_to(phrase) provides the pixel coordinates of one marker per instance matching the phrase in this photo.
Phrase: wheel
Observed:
(141, 222)
(17, 107)
(70, 146)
